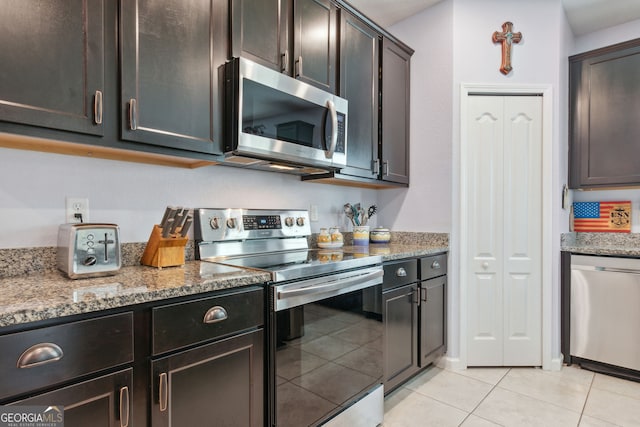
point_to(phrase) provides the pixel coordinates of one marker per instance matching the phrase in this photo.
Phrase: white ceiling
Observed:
(584, 16)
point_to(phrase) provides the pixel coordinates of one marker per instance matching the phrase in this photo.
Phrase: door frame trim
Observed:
(466, 89)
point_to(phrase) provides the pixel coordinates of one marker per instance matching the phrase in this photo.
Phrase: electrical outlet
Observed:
(77, 210)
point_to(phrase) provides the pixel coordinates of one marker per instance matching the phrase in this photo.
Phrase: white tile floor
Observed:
(513, 397)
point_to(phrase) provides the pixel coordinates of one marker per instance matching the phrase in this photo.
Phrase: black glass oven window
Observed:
(274, 114)
(328, 354)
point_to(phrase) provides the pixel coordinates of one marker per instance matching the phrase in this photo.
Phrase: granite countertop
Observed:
(42, 295)
(50, 295)
(394, 251)
(616, 244)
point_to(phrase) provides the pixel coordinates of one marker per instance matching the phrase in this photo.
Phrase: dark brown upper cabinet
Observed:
(395, 113)
(604, 130)
(52, 56)
(294, 37)
(359, 72)
(170, 55)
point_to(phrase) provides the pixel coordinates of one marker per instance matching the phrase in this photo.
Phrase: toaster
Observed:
(88, 250)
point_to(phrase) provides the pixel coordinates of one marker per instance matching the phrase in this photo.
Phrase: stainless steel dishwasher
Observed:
(605, 295)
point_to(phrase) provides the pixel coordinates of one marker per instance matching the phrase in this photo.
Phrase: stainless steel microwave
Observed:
(275, 118)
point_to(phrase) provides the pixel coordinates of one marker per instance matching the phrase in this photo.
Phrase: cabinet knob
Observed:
(40, 354)
(215, 314)
(485, 265)
(401, 272)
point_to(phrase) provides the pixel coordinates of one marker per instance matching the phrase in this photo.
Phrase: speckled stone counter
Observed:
(46, 296)
(32, 289)
(617, 244)
(394, 251)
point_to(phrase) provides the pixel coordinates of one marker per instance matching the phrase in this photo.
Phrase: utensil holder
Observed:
(360, 235)
(163, 251)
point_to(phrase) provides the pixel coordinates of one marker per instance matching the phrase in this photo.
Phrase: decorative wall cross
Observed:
(506, 37)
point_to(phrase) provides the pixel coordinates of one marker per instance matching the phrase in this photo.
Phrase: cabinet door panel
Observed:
(95, 402)
(259, 32)
(433, 309)
(400, 314)
(218, 384)
(315, 43)
(52, 56)
(359, 64)
(170, 57)
(604, 130)
(395, 113)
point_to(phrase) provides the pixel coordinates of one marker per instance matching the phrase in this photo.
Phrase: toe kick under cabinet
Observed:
(414, 308)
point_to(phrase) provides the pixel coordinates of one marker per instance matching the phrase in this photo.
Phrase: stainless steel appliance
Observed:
(604, 311)
(325, 359)
(276, 122)
(88, 250)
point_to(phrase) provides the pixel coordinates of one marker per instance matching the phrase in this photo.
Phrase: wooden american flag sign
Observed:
(613, 217)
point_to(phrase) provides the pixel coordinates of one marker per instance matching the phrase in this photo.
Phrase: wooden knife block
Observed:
(163, 251)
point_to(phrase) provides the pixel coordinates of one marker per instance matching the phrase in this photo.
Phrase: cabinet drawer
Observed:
(183, 324)
(433, 266)
(400, 273)
(39, 358)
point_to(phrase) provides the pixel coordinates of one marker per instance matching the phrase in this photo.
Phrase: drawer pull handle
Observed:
(215, 314)
(97, 108)
(401, 272)
(40, 354)
(124, 407)
(435, 265)
(163, 392)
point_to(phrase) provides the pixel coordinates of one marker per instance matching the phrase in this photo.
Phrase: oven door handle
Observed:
(344, 285)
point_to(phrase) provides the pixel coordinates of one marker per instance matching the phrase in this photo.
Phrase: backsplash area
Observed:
(23, 261)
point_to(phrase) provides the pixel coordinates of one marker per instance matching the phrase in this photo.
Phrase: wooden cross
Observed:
(506, 37)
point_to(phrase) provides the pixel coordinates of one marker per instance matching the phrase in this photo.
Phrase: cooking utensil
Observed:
(371, 211)
(348, 211)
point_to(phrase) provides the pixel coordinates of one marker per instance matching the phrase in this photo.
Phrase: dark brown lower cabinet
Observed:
(217, 384)
(400, 314)
(101, 402)
(414, 310)
(433, 310)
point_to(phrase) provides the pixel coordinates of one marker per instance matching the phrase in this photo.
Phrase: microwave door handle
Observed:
(334, 129)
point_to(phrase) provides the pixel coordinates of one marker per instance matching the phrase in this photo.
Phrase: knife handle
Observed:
(165, 217)
(167, 229)
(186, 226)
(177, 220)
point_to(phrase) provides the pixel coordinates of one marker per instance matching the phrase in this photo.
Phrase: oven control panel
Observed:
(217, 225)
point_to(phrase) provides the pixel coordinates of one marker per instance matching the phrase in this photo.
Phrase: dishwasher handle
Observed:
(600, 268)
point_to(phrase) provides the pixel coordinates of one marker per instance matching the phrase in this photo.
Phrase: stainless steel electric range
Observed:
(324, 361)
